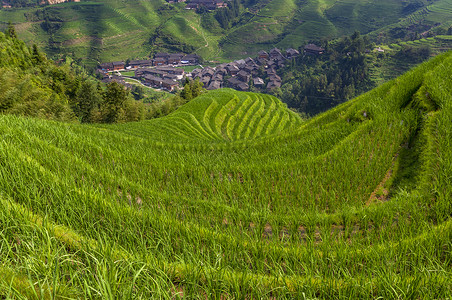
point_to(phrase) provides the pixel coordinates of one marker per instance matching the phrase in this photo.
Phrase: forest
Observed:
(32, 85)
(315, 83)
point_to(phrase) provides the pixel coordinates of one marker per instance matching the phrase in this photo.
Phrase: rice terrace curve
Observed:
(234, 196)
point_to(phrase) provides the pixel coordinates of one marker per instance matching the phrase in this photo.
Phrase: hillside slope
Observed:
(107, 30)
(219, 115)
(354, 203)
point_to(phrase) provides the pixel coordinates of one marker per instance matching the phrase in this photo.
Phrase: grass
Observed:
(110, 30)
(234, 196)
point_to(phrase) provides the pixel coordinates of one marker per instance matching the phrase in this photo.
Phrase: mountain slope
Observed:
(107, 30)
(219, 115)
(354, 203)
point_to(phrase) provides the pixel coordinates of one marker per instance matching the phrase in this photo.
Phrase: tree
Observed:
(186, 93)
(113, 105)
(11, 31)
(138, 92)
(196, 88)
(36, 55)
(87, 99)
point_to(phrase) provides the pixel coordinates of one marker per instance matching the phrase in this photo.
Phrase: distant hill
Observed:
(234, 197)
(108, 30)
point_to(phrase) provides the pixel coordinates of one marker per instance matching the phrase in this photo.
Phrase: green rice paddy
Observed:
(234, 196)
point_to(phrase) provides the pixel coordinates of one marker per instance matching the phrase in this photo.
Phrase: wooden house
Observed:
(313, 49)
(273, 84)
(263, 54)
(244, 76)
(242, 86)
(106, 66)
(214, 85)
(275, 54)
(190, 59)
(232, 70)
(169, 85)
(153, 80)
(118, 65)
(135, 64)
(258, 82)
(175, 58)
(291, 53)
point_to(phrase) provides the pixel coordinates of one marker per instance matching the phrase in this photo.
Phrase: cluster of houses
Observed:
(160, 59)
(196, 4)
(260, 72)
(165, 77)
(158, 72)
(208, 4)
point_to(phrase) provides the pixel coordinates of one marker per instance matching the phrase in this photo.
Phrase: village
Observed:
(166, 70)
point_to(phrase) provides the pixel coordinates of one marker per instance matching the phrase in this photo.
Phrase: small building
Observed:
(240, 63)
(118, 65)
(232, 70)
(262, 54)
(162, 54)
(208, 71)
(244, 76)
(221, 71)
(153, 80)
(106, 66)
(249, 61)
(313, 49)
(214, 85)
(175, 58)
(135, 64)
(170, 77)
(274, 77)
(205, 80)
(190, 59)
(169, 85)
(217, 77)
(270, 71)
(233, 82)
(276, 54)
(160, 61)
(291, 53)
(249, 68)
(273, 84)
(258, 82)
(208, 4)
(243, 86)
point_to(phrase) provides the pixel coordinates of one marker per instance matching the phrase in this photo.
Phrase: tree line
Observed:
(315, 83)
(32, 85)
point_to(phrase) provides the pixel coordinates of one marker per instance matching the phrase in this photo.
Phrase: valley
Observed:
(333, 185)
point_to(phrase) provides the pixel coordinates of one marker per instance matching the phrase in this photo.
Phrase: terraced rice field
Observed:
(234, 196)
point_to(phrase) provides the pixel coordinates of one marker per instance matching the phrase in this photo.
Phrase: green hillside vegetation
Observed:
(108, 30)
(354, 203)
(434, 17)
(31, 85)
(400, 57)
(219, 115)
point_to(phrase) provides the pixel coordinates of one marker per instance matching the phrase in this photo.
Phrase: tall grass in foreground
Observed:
(354, 203)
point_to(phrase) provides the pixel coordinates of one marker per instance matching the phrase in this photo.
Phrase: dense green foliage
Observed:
(313, 83)
(109, 30)
(157, 109)
(30, 85)
(354, 203)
